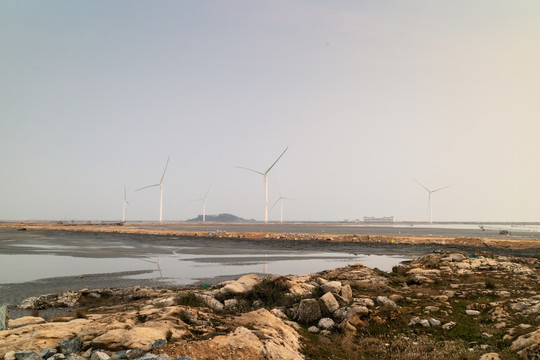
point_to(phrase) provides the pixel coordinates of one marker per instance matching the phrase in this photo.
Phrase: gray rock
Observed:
(415, 320)
(163, 357)
(4, 317)
(159, 343)
(47, 353)
(73, 357)
(424, 323)
(87, 353)
(134, 354)
(58, 356)
(434, 322)
(10, 355)
(313, 329)
(148, 357)
(119, 355)
(472, 312)
(98, 355)
(519, 306)
(26, 355)
(431, 308)
(70, 346)
(326, 323)
(340, 314)
(385, 301)
(309, 310)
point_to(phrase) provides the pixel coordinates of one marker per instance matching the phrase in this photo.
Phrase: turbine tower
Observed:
(429, 198)
(203, 199)
(161, 191)
(124, 205)
(280, 200)
(265, 175)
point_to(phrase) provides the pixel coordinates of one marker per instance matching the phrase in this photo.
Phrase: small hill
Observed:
(220, 218)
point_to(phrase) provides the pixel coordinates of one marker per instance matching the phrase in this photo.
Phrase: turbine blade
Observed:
(270, 168)
(446, 187)
(419, 183)
(162, 176)
(146, 187)
(287, 198)
(204, 197)
(125, 196)
(258, 172)
(275, 204)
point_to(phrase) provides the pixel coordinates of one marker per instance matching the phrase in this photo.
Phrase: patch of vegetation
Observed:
(490, 284)
(142, 318)
(81, 314)
(267, 294)
(339, 347)
(189, 299)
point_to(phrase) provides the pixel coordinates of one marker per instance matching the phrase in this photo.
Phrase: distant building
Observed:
(384, 219)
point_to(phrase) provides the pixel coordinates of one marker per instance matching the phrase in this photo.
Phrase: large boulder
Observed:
(328, 303)
(346, 293)
(242, 285)
(281, 341)
(331, 286)
(309, 310)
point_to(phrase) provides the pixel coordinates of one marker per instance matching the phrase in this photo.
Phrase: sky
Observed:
(369, 96)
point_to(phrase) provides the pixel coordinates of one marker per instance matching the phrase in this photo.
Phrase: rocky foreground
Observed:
(451, 305)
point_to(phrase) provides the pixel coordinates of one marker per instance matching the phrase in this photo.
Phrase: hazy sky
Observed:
(368, 95)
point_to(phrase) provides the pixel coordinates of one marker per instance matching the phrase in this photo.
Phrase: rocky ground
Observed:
(451, 305)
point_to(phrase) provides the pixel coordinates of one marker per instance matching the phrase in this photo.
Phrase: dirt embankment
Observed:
(505, 243)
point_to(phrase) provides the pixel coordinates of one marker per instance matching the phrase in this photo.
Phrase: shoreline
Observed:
(486, 243)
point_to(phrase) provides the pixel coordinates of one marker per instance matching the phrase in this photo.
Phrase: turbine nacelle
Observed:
(265, 175)
(161, 190)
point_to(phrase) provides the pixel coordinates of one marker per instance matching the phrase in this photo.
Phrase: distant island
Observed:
(220, 218)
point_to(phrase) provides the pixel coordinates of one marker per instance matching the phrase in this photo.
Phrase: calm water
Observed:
(31, 256)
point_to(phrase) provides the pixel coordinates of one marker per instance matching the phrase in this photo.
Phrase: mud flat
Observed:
(529, 246)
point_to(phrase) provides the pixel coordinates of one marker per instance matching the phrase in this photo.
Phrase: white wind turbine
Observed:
(203, 199)
(124, 205)
(161, 191)
(429, 197)
(280, 200)
(265, 175)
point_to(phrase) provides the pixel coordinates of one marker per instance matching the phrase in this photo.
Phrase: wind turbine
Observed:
(203, 199)
(280, 200)
(124, 205)
(429, 197)
(265, 175)
(161, 191)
